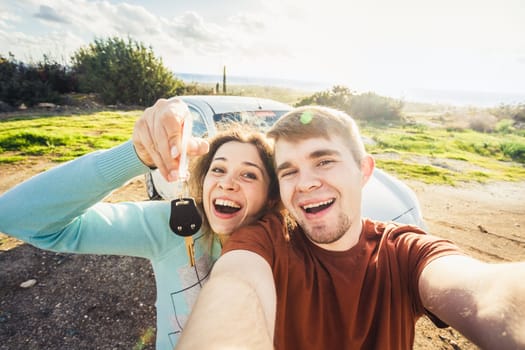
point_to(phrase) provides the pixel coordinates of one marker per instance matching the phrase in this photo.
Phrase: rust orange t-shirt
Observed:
(363, 298)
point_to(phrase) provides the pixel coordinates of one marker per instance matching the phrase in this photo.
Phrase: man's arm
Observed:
(485, 302)
(236, 307)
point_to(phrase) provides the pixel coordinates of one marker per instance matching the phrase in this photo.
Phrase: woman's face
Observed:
(235, 188)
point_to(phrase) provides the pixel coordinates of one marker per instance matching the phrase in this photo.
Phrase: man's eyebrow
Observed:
(314, 155)
(324, 152)
(283, 166)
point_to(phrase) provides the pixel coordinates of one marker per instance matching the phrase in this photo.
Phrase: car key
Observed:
(185, 219)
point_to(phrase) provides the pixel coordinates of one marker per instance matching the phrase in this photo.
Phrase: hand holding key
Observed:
(157, 137)
(185, 219)
(162, 139)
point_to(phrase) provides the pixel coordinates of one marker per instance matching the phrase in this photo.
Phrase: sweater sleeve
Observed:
(61, 209)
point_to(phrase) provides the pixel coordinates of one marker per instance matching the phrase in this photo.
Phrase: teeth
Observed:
(227, 203)
(315, 205)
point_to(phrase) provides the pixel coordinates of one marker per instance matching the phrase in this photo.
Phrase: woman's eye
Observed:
(217, 170)
(251, 176)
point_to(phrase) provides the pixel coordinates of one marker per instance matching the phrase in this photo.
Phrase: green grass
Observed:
(485, 156)
(408, 151)
(147, 338)
(61, 138)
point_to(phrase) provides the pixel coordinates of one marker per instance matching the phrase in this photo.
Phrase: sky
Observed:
(392, 47)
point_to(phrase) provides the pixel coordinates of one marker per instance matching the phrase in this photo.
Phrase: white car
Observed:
(385, 198)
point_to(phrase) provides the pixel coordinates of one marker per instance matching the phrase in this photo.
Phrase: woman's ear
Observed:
(367, 168)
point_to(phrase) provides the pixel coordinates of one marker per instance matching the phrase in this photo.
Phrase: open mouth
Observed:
(225, 206)
(313, 208)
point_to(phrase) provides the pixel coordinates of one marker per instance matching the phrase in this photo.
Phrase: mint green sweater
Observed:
(62, 210)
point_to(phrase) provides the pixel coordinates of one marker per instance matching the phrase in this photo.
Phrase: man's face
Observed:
(320, 184)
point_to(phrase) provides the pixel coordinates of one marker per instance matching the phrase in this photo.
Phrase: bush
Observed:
(33, 83)
(124, 72)
(519, 113)
(505, 126)
(368, 106)
(515, 151)
(372, 107)
(483, 122)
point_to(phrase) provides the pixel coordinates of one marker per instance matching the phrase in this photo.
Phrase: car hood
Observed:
(386, 198)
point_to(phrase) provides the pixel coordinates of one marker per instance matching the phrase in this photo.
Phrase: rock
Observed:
(46, 105)
(482, 229)
(28, 284)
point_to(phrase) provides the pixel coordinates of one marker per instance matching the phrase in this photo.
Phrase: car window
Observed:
(259, 119)
(199, 126)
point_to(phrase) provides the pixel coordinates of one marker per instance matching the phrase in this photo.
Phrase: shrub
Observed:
(124, 72)
(372, 107)
(505, 126)
(368, 106)
(483, 122)
(514, 150)
(33, 83)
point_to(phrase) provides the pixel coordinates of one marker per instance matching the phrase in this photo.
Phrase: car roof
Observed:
(226, 104)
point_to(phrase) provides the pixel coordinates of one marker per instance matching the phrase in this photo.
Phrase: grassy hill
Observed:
(434, 146)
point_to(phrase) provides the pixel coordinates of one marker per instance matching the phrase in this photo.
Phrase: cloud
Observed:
(7, 19)
(360, 42)
(247, 22)
(47, 13)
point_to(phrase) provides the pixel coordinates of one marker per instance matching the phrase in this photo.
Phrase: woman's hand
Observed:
(157, 137)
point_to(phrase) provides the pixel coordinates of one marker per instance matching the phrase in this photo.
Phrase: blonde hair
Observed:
(318, 121)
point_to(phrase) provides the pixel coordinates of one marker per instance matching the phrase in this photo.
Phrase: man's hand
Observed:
(485, 302)
(157, 137)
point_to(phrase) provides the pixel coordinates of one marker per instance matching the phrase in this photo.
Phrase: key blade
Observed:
(190, 250)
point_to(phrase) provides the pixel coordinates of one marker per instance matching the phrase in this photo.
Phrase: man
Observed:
(338, 280)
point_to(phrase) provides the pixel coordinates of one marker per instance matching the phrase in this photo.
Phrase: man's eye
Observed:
(325, 162)
(287, 173)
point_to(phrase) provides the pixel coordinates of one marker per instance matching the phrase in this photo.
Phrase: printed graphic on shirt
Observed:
(193, 277)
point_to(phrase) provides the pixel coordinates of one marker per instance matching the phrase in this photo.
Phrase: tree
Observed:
(124, 72)
(224, 80)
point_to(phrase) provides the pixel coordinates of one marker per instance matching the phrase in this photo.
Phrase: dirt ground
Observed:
(101, 302)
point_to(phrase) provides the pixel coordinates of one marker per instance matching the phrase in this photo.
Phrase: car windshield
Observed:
(259, 119)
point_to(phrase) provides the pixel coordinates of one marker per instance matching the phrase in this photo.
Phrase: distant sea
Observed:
(236, 80)
(447, 97)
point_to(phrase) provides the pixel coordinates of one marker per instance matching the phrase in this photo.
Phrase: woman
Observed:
(62, 210)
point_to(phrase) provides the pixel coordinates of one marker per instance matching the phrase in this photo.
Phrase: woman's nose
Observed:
(227, 183)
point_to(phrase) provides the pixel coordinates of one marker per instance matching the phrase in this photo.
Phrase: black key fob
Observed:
(185, 219)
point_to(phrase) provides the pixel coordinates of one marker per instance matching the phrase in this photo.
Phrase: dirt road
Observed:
(93, 302)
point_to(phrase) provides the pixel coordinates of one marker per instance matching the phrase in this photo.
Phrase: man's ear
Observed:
(367, 168)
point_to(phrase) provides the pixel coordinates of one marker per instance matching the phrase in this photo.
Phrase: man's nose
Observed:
(308, 181)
